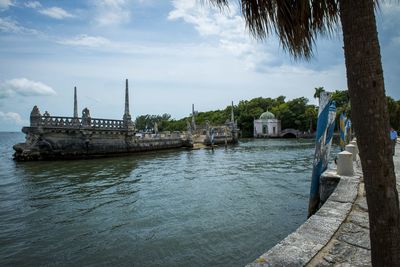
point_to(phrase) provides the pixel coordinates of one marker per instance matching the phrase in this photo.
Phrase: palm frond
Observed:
(297, 23)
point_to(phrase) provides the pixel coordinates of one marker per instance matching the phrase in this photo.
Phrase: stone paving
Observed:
(350, 245)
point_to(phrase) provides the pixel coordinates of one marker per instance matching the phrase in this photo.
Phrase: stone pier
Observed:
(55, 137)
(338, 234)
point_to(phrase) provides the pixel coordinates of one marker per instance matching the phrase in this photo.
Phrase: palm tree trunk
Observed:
(371, 123)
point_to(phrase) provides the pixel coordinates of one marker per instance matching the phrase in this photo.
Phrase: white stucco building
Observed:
(267, 126)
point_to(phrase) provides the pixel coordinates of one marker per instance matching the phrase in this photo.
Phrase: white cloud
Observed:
(227, 26)
(12, 116)
(52, 12)
(24, 87)
(396, 40)
(55, 13)
(104, 45)
(11, 26)
(210, 20)
(4, 4)
(111, 12)
(389, 7)
(87, 41)
(389, 19)
(33, 4)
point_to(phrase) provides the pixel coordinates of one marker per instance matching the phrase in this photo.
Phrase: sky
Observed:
(174, 53)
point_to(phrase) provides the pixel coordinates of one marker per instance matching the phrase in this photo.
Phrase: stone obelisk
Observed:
(193, 120)
(127, 117)
(232, 115)
(75, 104)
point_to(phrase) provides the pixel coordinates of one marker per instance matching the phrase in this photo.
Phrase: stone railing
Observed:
(107, 124)
(72, 122)
(162, 135)
(59, 122)
(217, 129)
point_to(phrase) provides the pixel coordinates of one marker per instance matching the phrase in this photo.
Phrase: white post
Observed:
(352, 149)
(355, 144)
(345, 163)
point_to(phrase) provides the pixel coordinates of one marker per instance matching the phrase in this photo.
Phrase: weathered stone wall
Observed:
(54, 137)
(55, 143)
(221, 140)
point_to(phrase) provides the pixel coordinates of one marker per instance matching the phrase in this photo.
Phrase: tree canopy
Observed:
(297, 113)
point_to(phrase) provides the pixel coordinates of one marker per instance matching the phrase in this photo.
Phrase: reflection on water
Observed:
(174, 208)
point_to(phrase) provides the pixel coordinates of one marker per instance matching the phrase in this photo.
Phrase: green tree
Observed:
(175, 125)
(318, 91)
(147, 122)
(293, 114)
(248, 110)
(142, 122)
(342, 101)
(394, 112)
(311, 113)
(297, 24)
(341, 97)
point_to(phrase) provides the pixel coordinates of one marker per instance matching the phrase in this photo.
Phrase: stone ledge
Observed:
(301, 246)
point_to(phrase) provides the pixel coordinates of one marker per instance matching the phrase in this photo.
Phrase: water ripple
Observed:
(175, 208)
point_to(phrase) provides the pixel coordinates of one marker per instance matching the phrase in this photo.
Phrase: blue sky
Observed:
(174, 53)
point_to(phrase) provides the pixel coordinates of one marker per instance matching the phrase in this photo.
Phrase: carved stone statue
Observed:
(155, 128)
(46, 114)
(35, 117)
(35, 111)
(86, 119)
(85, 113)
(207, 124)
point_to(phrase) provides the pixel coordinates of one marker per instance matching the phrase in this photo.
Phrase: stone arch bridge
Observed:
(290, 133)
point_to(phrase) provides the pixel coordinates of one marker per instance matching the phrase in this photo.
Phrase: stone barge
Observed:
(52, 137)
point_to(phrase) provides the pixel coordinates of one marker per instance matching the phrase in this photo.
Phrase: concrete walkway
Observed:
(350, 245)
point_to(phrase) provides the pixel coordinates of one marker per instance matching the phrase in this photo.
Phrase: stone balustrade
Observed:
(72, 122)
(107, 124)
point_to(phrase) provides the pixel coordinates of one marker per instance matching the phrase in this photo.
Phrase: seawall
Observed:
(311, 244)
(56, 143)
